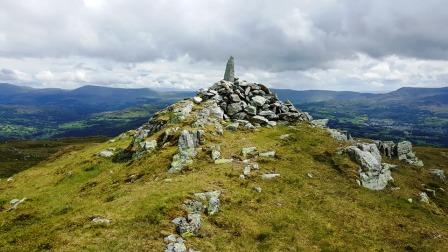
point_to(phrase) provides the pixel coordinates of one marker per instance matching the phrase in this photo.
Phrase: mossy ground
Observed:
(328, 212)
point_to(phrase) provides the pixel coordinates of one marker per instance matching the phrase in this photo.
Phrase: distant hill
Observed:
(44, 113)
(418, 114)
(307, 96)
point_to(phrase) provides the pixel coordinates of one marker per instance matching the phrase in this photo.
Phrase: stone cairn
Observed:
(241, 100)
(247, 104)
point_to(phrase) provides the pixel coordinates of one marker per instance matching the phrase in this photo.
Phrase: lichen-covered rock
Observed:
(269, 176)
(188, 226)
(372, 174)
(402, 151)
(438, 173)
(337, 134)
(212, 201)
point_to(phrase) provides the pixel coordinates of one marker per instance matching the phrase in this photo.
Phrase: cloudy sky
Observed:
(356, 45)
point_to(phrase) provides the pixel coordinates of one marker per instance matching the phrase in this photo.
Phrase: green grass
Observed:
(16, 156)
(329, 212)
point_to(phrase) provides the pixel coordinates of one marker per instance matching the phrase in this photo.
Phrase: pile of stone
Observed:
(256, 103)
(373, 174)
(189, 225)
(402, 151)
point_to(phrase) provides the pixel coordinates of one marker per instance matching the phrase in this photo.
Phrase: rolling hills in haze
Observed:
(418, 114)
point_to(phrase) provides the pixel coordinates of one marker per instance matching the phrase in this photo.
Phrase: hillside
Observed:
(272, 181)
(27, 113)
(416, 114)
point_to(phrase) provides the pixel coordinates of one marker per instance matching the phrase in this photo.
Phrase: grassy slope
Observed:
(16, 156)
(328, 212)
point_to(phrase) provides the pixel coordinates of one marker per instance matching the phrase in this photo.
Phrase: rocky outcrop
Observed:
(372, 173)
(401, 151)
(188, 141)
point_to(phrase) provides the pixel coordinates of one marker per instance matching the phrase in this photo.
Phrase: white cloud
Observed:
(348, 45)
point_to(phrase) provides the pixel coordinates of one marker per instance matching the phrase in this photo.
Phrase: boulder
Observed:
(424, 197)
(234, 108)
(267, 154)
(197, 99)
(438, 173)
(215, 152)
(372, 174)
(320, 122)
(15, 203)
(258, 100)
(248, 151)
(251, 110)
(188, 226)
(269, 176)
(223, 161)
(107, 153)
(101, 220)
(260, 120)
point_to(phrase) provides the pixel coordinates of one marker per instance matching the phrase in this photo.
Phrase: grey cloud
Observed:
(276, 35)
(296, 44)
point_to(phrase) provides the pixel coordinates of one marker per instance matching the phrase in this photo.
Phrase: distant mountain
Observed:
(307, 96)
(42, 113)
(418, 114)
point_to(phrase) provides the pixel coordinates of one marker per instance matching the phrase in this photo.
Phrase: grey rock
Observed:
(107, 153)
(181, 111)
(268, 114)
(336, 134)
(234, 108)
(223, 161)
(235, 98)
(424, 197)
(258, 100)
(212, 201)
(170, 238)
(267, 154)
(438, 173)
(272, 123)
(101, 221)
(251, 110)
(269, 176)
(260, 120)
(248, 151)
(320, 122)
(403, 149)
(149, 145)
(197, 99)
(257, 189)
(285, 137)
(215, 152)
(229, 74)
(193, 206)
(189, 225)
(233, 126)
(372, 174)
(15, 203)
(387, 148)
